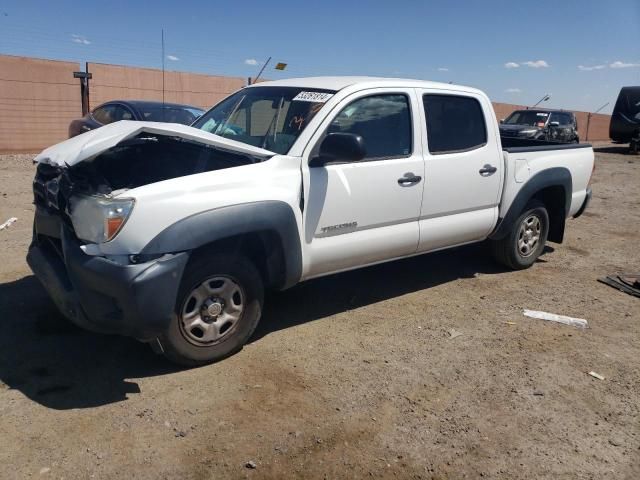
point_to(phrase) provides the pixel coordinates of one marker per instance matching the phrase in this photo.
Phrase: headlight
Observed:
(98, 220)
(527, 133)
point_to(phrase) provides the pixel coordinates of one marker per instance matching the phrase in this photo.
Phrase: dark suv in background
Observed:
(544, 125)
(625, 120)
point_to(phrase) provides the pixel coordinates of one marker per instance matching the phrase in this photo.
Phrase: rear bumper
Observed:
(106, 297)
(585, 204)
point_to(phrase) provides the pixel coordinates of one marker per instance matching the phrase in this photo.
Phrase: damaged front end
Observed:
(82, 201)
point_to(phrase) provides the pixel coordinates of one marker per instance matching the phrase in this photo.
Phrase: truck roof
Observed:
(338, 83)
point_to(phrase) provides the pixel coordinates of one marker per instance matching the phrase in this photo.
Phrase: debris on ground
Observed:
(251, 464)
(453, 333)
(625, 282)
(616, 442)
(8, 223)
(596, 375)
(509, 323)
(552, 317)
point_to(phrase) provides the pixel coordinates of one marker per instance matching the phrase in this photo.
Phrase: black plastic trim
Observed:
(226, 222)
(546, 148)
(106, 297)
(585, 204)
(552, 177)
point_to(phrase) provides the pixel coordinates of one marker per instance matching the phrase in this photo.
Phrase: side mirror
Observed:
(502, 120)
(339, 147)
(554, 124)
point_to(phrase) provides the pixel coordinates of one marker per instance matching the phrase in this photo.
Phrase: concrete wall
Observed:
(111, 82)
(38, 99)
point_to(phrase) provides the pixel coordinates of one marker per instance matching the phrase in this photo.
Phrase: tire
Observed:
(218, 307)
(634, 146)
(510, 251)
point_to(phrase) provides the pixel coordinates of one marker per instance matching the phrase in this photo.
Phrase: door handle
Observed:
(487, 170)
(409, 179)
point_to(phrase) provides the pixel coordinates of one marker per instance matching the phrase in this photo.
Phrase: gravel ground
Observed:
(349, 376)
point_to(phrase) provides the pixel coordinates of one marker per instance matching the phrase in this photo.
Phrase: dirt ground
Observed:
(351, 376)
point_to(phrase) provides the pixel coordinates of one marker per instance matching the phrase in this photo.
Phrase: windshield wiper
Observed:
(223, 125)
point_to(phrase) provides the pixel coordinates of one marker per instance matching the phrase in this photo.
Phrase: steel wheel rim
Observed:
(212, 310)
(529, 235)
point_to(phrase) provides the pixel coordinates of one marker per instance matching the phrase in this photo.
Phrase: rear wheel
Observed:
(218, 308)
(525, 242)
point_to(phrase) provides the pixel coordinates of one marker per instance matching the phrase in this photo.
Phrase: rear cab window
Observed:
(455, 123)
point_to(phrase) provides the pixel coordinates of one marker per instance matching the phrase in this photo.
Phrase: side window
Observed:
(104, 114)
(566, 120)
(454, 123)
(121, 113)
(383, 121)
(555, 117)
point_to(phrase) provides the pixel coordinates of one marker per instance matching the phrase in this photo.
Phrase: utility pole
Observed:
(586, 136)
(84, 88)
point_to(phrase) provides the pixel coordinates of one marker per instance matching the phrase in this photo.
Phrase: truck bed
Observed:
(512, 145)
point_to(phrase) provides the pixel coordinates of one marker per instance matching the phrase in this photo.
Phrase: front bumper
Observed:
(103, 296)
(585, 204)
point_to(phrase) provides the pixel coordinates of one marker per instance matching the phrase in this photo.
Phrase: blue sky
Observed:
(581, 52)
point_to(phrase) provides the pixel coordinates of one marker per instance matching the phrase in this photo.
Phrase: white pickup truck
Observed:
(171, 233)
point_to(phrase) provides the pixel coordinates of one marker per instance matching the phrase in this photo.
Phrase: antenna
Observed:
(261, 70)
(163, 74)
(589, 115)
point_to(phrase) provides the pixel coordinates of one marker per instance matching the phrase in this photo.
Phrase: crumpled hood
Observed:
(94, 142)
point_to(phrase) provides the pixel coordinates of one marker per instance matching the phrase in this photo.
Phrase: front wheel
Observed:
(218, 307)
(525, 242)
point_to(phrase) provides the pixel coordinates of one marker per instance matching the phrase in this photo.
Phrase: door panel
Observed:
(462, 187)
(359, 213)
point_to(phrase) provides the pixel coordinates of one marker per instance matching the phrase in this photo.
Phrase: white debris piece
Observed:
(552, 317)
(8, 223)
(453, 333)
(596, 375)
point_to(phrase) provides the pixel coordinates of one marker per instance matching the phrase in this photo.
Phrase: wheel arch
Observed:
(553, 187)
(267, 232)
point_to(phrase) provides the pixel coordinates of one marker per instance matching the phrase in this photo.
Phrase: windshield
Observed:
(265, 117)
(170, 113)
(527, 117)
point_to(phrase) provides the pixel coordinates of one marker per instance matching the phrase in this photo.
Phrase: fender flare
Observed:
(217, 224)
(551, 177)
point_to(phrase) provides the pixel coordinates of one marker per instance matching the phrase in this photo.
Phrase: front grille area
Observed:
(46, 187)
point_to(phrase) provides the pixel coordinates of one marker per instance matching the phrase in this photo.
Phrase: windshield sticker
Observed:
(315, 97)
(542, 114)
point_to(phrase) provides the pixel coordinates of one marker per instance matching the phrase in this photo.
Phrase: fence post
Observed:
(84, 88)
